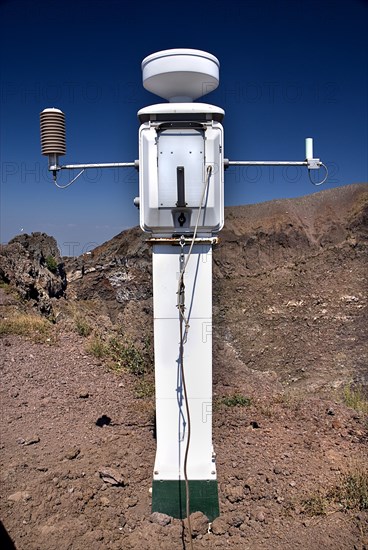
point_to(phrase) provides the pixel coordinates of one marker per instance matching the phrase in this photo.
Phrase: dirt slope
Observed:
(290, 338)
(279, 459)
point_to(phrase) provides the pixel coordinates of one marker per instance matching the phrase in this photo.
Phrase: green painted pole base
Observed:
(169, 497)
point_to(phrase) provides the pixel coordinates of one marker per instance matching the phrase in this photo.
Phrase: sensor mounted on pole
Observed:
(181, 201)
(52, 123)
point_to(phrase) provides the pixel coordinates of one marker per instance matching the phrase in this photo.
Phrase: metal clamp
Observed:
(314, 164)
(182, 240)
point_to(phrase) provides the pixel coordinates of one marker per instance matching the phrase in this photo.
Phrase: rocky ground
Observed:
(78, 449)
(290, 377)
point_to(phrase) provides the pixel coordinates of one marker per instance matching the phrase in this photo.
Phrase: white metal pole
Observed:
(171, 414)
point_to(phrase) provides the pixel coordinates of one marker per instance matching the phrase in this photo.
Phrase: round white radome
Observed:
(180, 75)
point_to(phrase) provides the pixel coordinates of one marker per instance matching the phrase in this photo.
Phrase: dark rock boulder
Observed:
(33, 266)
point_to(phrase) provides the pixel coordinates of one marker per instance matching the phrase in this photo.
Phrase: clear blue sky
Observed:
(289, 69)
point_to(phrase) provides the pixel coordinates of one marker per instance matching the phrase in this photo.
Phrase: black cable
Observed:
(183, 336)
(188, 432)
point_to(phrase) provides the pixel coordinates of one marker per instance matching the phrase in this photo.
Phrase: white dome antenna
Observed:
(180, 75)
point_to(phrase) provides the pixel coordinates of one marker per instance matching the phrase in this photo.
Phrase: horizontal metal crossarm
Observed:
(96, 165)
(310, 163)
(227, 162)
(271, 162)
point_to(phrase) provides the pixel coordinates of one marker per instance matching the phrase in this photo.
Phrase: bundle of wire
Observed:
(183, 337)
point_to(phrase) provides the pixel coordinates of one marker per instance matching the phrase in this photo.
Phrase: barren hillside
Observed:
(290, 386)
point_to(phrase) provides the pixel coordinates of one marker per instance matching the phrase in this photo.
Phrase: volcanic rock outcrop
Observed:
(33, 266)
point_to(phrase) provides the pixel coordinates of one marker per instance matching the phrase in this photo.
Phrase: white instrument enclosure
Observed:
(163, 148)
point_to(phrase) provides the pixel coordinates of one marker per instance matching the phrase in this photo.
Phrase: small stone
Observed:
(83, 394)
(19, 495)
(247, 488)
(260, 516)
(109, 475)
(219, 526)
(277, 470)
(234, 494)
(236, 520)
(98, 535)
(199, 523)
(255, 425)
(160, 519)
(103, 421)
(32, 440)
(336, 424)
(122, 522)
(72, 454)
(130, 502)
(104, 501)
(292, 483)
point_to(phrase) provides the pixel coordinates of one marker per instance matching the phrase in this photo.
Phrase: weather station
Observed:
(181, 201)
